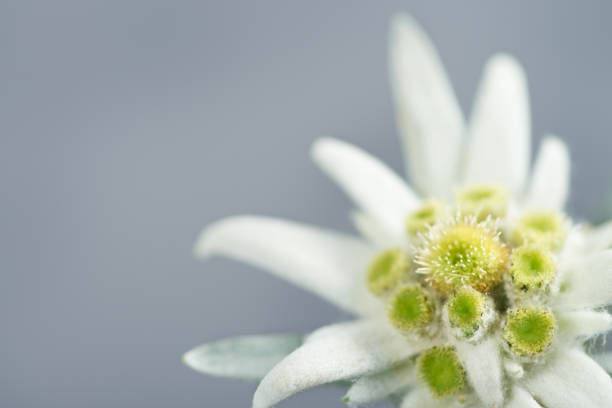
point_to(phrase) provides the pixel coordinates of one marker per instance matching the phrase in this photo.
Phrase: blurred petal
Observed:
(600, 238)
(420, 398)
(246, 357)
(572, 379)
(327, 263)
(588, 284)
(551, 176)
(378, 386)
(521, 399)
(430, 121)
(374, 232)
(499, 145)
(583, 324)
(334, 353)
(604, 360)
(370, 183)
(482, 362)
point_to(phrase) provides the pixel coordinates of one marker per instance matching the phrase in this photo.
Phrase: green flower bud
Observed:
(532, 267)
(529, 330)
(440, 369)
(544, 228)
(466, 309)
(482, 200)
(410, 308)
(424, 217)
(386, 270)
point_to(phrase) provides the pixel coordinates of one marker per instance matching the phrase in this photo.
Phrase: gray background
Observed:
(126, 126)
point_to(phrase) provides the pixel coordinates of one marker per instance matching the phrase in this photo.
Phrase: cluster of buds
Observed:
(475, 269)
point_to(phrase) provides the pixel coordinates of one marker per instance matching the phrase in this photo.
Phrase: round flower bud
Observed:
(421, 219)
(544, 228)
(440, 369)
(462, 252)
(466, 310)
(532, 267)
(483, 200)
(410, 308)
(529, 330)
(386, 270)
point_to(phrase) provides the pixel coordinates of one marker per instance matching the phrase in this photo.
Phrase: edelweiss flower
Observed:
(471, 287)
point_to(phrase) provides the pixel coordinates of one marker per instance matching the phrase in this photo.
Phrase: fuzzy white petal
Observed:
(334, 353)
(499, 144)
(600, 238)
(378, 386)
(327, 263)
(583, 323)
(551, 176)
(245, 357)
(571, 379)
(588, 283)
(421, 398)
(521, 399)
(376, 233)
(429, 118)
(482, 363)
(370, 183)
(604, 360)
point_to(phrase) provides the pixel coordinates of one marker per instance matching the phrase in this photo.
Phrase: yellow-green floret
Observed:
(465, 309)
(529, 330)
(386, 270)
(532, 267)
(440, 369)
(545, 228)
(410, 308)
(424, 217)
(482, 200)
(462, 253)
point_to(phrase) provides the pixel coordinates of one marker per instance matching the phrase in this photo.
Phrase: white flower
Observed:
(485, 292)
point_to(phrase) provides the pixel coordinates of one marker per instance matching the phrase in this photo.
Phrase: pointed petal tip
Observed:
(506, 65)
(405, 28)
(204, 246)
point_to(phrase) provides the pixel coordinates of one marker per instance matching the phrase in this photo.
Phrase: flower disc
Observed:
(462, 253)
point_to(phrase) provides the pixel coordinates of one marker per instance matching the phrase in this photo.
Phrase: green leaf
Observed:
(245, 357)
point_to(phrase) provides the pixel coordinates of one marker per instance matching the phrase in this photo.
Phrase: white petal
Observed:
(482, 363)
(429, 118)
(324, 262)
(421, 398)
(570, 380)
(551, 176)
(334, 353)
(246, 357)
(604, 360)
(371, 184)
(376, 233)
(588, 283)
(600, 238)
(521, 399)
(499, 145)
(378, 386)
(583, 324)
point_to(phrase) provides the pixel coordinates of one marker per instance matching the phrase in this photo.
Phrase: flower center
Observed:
(483, 200)
(532, 267)
(463, 253)
(424, 217)
(465, 309)
(439, 368)
(529, 330)
(410, 308)
(542, 227)
(387, 270)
